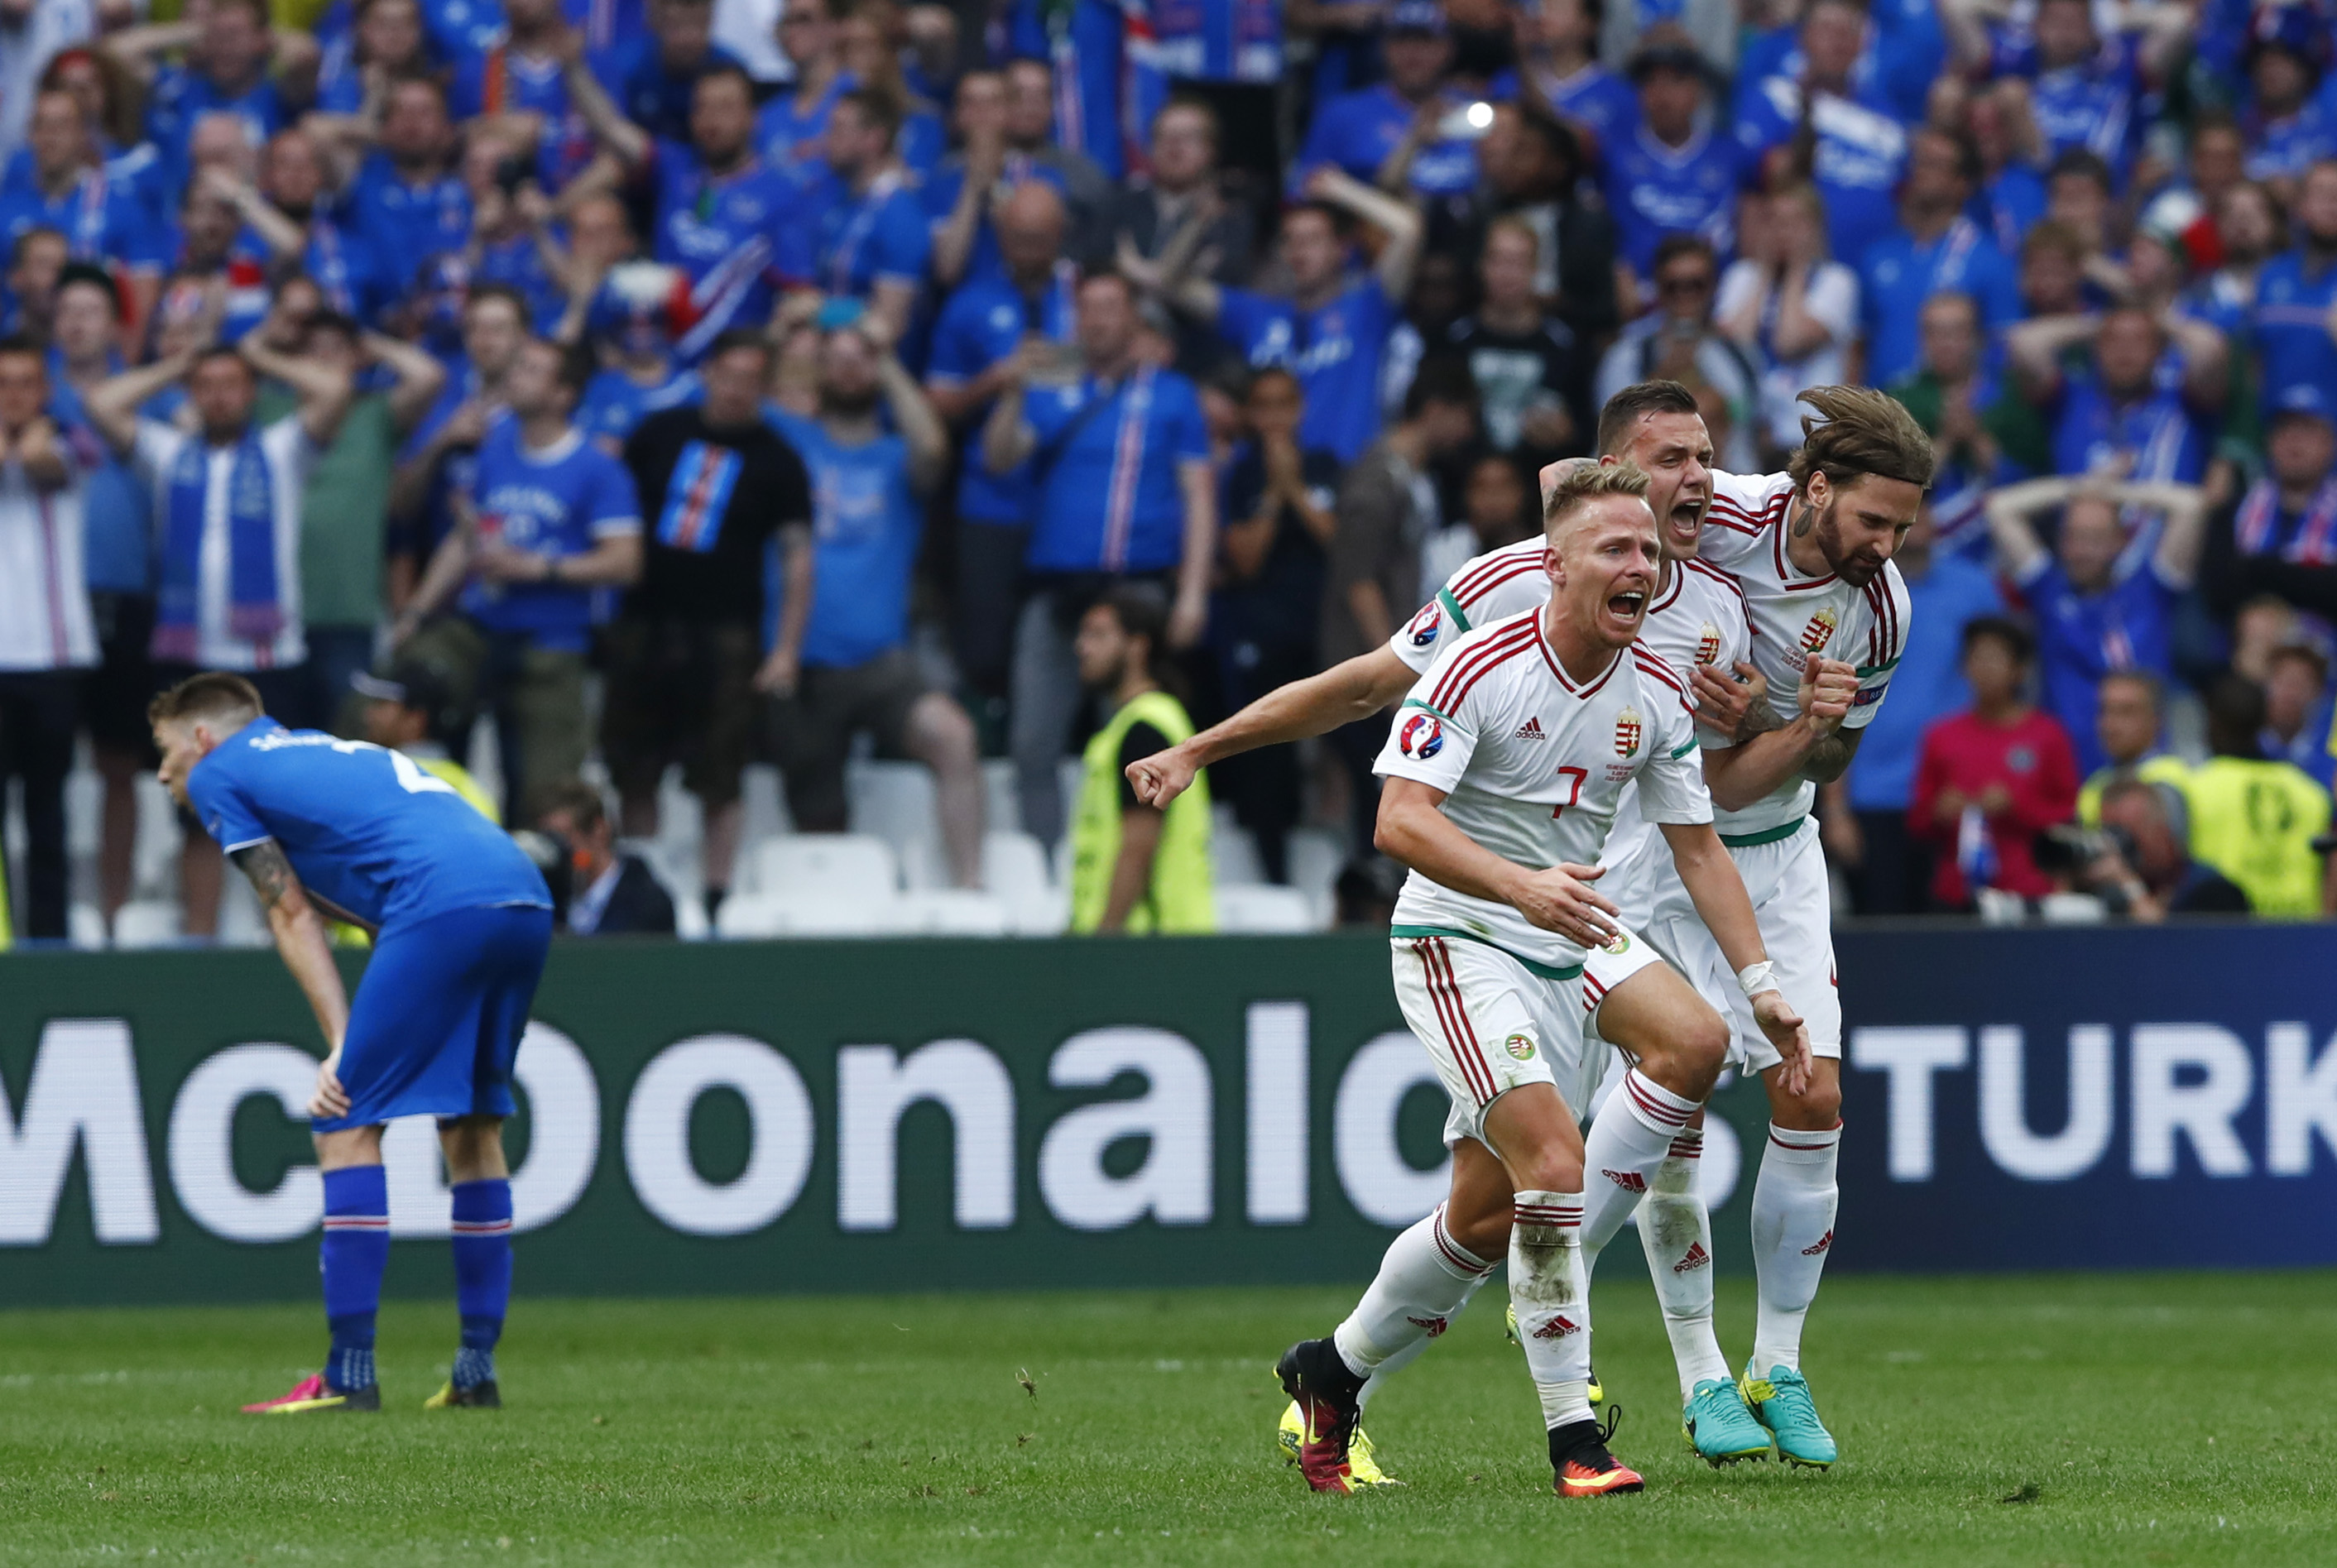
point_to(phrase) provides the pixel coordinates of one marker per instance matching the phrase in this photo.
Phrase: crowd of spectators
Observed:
(695, 382)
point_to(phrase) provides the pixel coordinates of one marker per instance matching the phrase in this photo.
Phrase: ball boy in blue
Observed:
(330, 828)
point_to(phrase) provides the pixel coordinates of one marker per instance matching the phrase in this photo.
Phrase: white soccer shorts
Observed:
(1792, 900)
(1603, 970)
(1490, 1023)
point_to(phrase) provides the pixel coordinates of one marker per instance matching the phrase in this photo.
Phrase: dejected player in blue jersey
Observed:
(331, 829)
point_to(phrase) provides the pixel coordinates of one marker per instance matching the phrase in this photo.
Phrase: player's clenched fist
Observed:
(1829, 687)
(1161, 777)
(1785, 1030)
(1561, 900)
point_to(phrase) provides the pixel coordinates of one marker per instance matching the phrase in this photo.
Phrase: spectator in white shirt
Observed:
(1791, 307)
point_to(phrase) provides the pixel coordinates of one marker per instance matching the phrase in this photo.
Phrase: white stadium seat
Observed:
(1262, 908)
(893, 801)
(803, 863)
(1316, 857)
(951, 912)
(1014, 871)
(146, 923)
(866, 912)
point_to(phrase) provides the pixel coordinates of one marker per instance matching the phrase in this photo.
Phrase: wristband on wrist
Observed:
(1753, 979)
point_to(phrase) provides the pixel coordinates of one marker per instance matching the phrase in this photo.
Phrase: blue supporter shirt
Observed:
(735, 235)
(1904, 53)
(981, 325)
(2010, 205)
(1083, 46)
(788, 135)
(1217, 40)
(1355, 132)
(653, 97)
(2292, 330)
(103, 218)
(1654, 191)
(2081, 638)
(1596, 99)
(939, 192)
(1857, 163)
(1929, 684)
(370, 832)
(501, 82)
(345, 268)
(403, 223)
(455, 28)
(2148, 438)
(117, 507)
(2090, 104)
(1335, 351)
(880, 236)
(866, 524)
(1111, 496)
(1900, 274)
(561, 501)
(614, 403)
(182, 97)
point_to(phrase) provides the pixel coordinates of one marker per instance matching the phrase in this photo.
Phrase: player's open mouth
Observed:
(1627, 606)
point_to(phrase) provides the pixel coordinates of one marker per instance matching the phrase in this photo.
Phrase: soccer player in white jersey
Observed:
(1505, 767)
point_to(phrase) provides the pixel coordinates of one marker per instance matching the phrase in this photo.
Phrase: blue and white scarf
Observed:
(255, 610)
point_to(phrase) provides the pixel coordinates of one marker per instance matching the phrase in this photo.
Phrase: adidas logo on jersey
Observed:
(1629, 1181)
(1558, 1328)
(1431, 1327)
(1532, 729)
(1698, 1258)
(1823, 1242)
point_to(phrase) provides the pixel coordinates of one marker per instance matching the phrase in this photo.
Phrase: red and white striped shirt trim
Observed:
(1471, 665)
(1475, 582)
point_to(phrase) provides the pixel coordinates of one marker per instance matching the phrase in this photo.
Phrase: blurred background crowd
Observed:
(786, 453)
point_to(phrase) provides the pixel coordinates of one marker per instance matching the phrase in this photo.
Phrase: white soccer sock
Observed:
(1633, 1134)
(1675, 1233)
(1415, 1349)
(1425, 1276)
(1793, 1231)
(1553, 1302)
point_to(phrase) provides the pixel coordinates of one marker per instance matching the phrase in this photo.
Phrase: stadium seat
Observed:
(85, 926)
(893, 801)
(84, 809)
(1014, 871)
(951, 912)
(863, 912)
(851, 864)
(146, 923)
(241, 923)
(1233, 852)
(1317, 855)
(1262, 907)
(154, 859)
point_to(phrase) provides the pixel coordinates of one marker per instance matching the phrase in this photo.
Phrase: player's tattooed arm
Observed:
(1759, 718)
(271, 874)
(1830, 758)
(302, 941)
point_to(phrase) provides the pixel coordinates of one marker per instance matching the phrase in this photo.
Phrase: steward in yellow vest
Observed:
(1135, 869)
(2254, 820)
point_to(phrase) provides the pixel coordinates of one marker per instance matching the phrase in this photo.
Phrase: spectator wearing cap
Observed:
(874, 238)
(1934, 248)
(2127, 728)
(118, 559)
(2295, 292)
(685, 660)
(652, 74)
(2280, 538)
(611, 892)
(47, 634)
(1400, 123)
(1993, 777)
(1841, 131)
(1865, 817)
(2100, 605)
(2120, 412)
(546, 520)
(982, 328)
(847, 668)
(344, 506)
(2298, 712)
(1332, 330)
(1676, 341)
(2253, 818)
(1125, 489)
(1675, 173)
(410, 707)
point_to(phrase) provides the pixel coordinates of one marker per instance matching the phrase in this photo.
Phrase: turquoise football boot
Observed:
(1719, 1428)
(1781, 1402)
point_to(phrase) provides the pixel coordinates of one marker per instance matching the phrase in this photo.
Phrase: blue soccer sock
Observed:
(355, 1253)
(483, 1274)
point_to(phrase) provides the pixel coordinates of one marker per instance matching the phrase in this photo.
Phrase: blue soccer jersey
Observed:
(2083, 636)
(734, 236)
(103, 218)
(559, 500)
(1859, 156)
(880, 236)
(866, 524)
(1109, 462)
(1355, 132)
(403, 223)
(1082, 43)
(2148, 438)
(1217, 40)
(2292, 335)
(371, 833)
(614, 403)
(181, 98)
(788, 135)
(981, 325)
(1598, 101)
(940, 190)
(1900, 273)
(1335, 350)
(1654, 191)
(502, 81)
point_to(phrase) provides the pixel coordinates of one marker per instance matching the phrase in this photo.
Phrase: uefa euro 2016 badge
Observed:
(1426, 625)
(1422, 737)
(1628, 727)
(1520, 1046)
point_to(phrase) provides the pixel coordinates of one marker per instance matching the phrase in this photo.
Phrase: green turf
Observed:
(2135, 1420)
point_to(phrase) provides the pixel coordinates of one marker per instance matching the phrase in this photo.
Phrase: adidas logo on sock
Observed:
(1532, 730)
(1629, 1181)
(1824, 1241)
(1558, 1328)
(1698, 1258)
(1434, 1326)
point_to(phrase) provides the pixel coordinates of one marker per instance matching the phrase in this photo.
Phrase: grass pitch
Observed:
(2129, 1419)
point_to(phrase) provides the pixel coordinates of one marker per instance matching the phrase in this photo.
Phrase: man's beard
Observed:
(848, 405)
(1853, 569)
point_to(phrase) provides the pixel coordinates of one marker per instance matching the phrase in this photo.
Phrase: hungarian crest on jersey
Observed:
(1707, 644)
(1629, 727)
(1819, 630)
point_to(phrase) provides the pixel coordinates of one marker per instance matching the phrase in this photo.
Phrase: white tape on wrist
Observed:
(1753, 979)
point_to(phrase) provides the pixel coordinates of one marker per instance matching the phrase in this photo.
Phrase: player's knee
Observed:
(1703, 1046)
(1815, 1108)
(1486, 1235)
(1555, 1170)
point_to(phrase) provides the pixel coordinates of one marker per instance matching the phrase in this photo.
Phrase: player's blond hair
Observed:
(214, 695)
(1585, 482)
(1858, 430)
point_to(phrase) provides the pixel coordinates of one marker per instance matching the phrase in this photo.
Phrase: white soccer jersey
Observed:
(1499, 583)
(1795, 616)
(1533, 766)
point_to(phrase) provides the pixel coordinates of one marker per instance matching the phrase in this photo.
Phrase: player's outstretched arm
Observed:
(1718, 893)
(1414, 831)
(1318, 704)
(307, 952)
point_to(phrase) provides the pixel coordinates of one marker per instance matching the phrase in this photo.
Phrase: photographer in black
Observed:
(2137, 862)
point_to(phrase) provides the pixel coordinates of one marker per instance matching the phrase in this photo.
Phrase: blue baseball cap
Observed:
(2302, 403)
(1417, 16)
